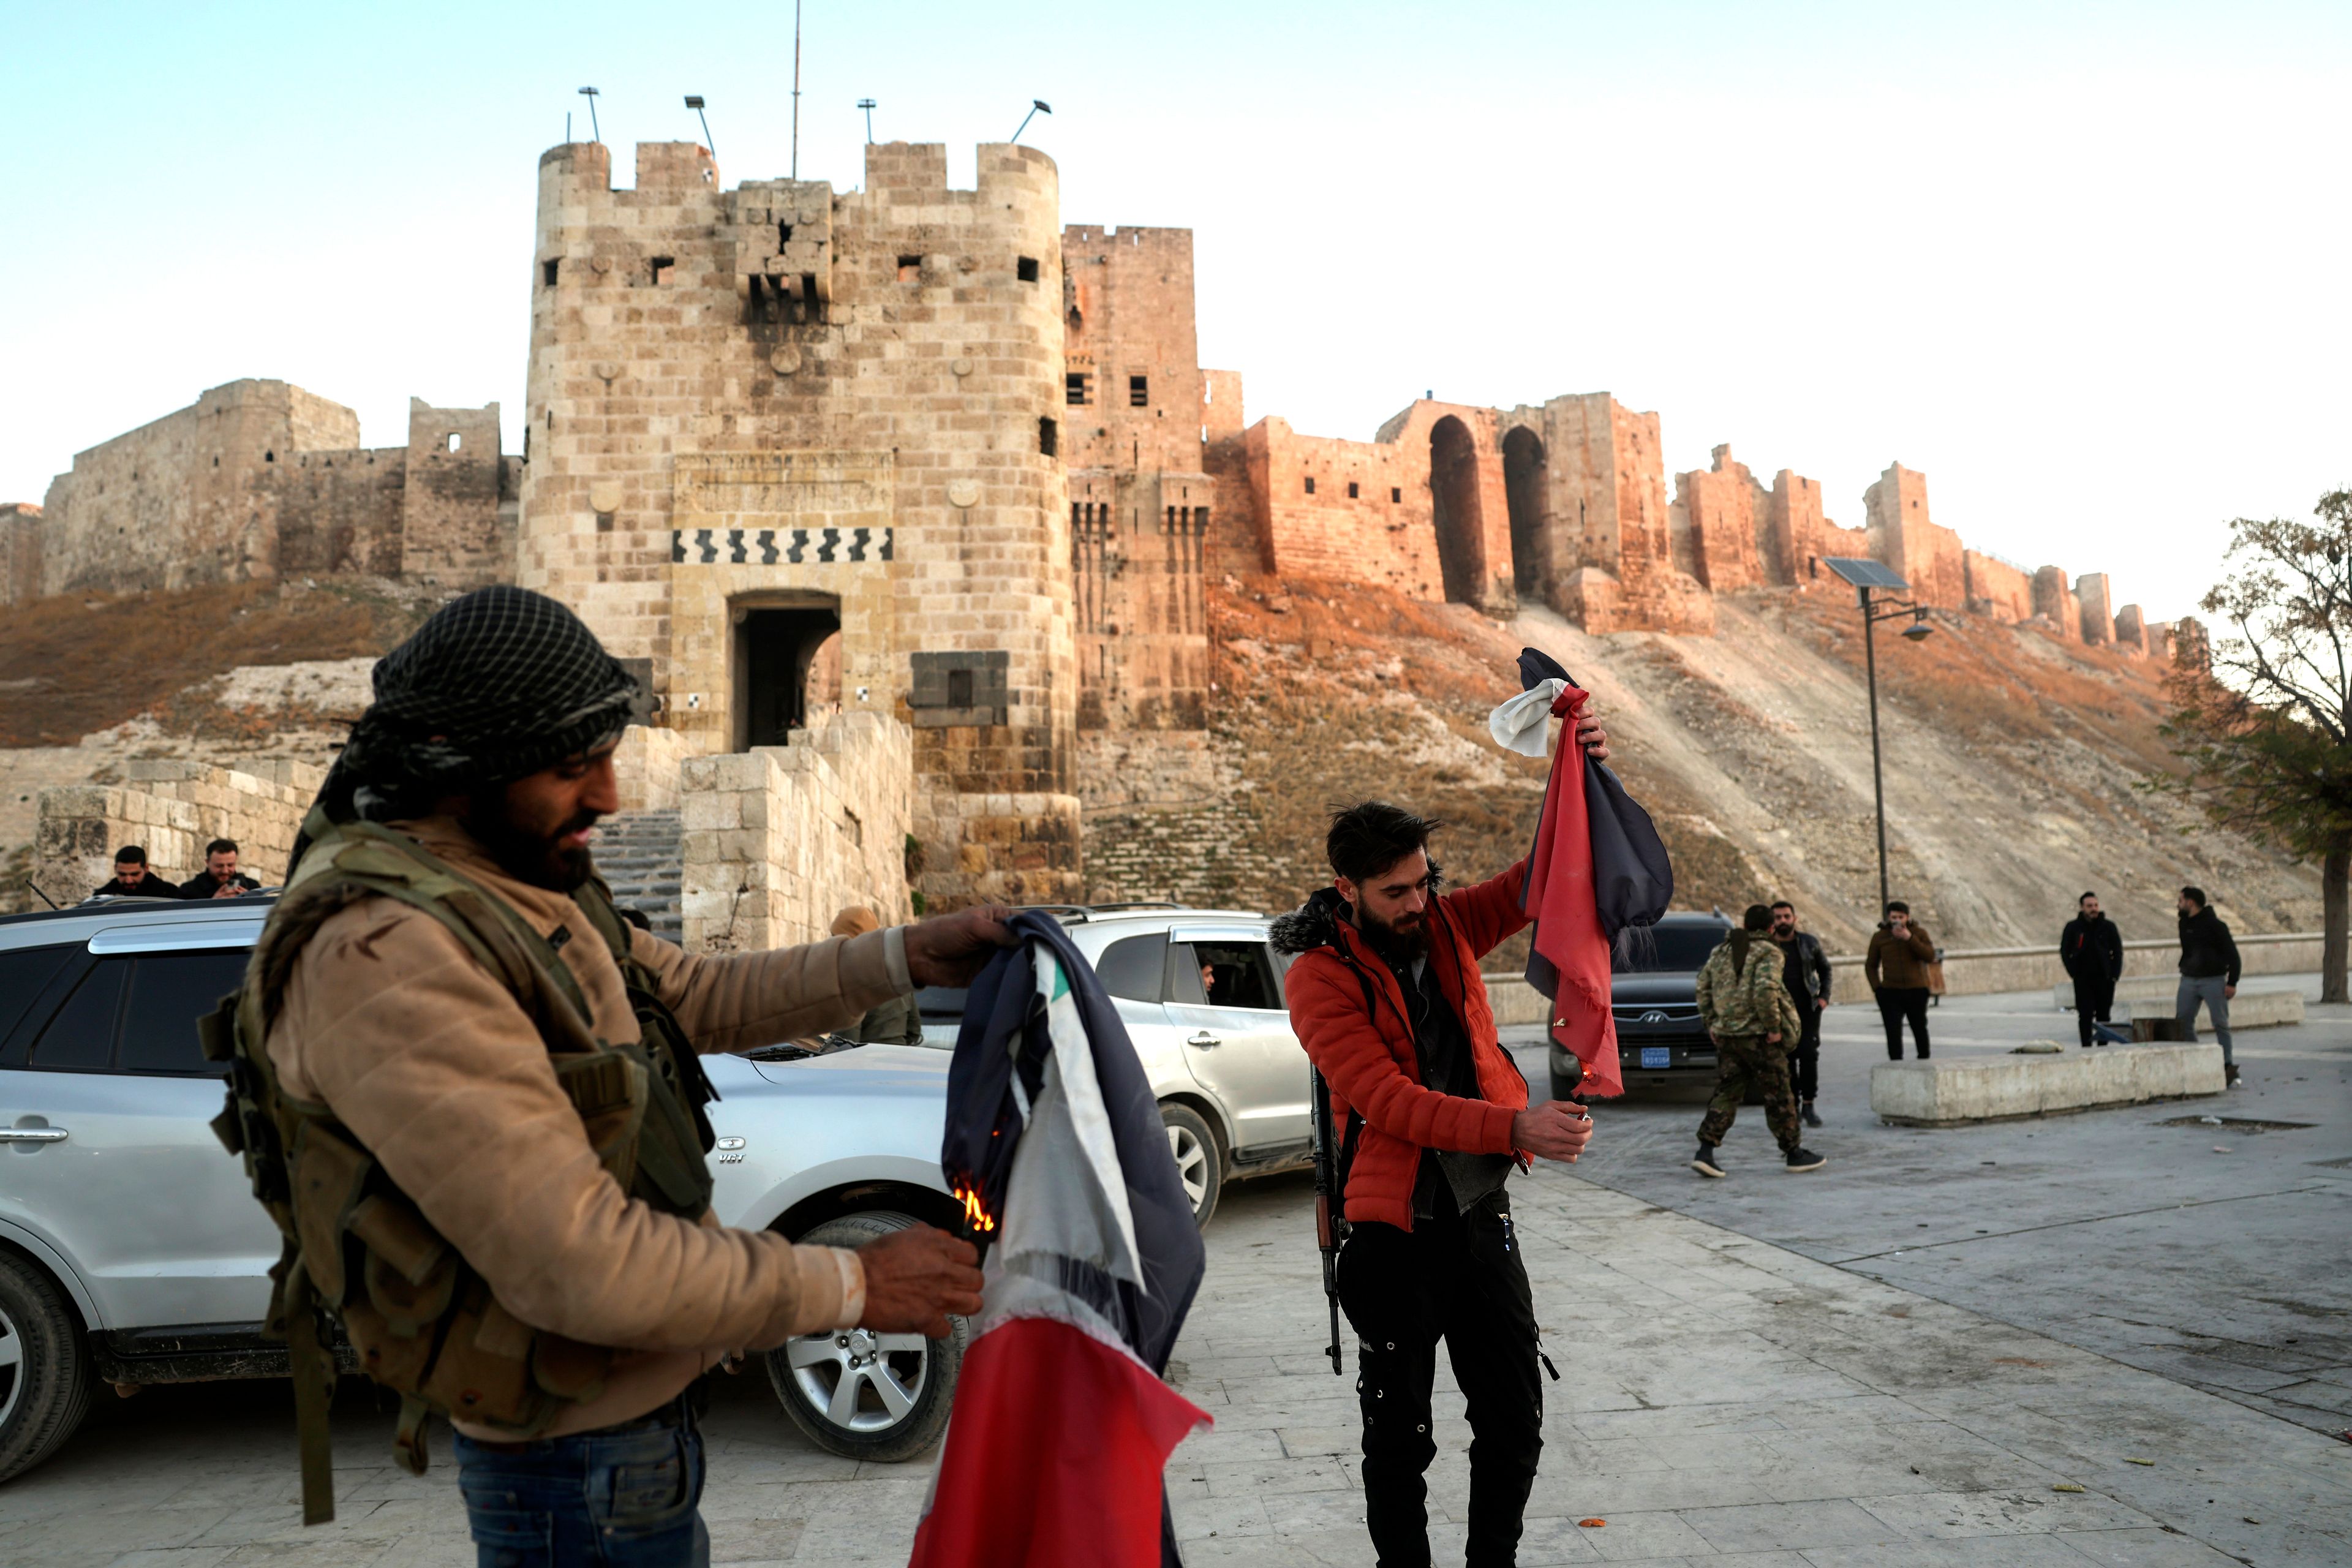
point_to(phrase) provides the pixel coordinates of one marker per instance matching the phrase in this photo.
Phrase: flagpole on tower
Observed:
(796, 89)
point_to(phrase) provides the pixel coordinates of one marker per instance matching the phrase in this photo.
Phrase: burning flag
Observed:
(1597, 870)
(1062, 1425)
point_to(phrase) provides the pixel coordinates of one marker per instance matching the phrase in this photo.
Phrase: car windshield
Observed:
(1668, 950)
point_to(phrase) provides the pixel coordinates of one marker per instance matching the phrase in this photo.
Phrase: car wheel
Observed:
(1561, 1087)
(44, 1372)
(863, 1395)
(1200, 1162)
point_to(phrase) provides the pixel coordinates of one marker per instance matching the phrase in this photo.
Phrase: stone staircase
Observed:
(641, 854)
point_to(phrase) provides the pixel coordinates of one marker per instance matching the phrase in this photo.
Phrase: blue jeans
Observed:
(618, 1497)
(2205, 988)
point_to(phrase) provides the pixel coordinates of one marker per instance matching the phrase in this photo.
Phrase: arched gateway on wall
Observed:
(1455, 512)
(1523, 489)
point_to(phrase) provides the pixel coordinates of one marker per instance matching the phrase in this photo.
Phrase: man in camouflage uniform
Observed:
(1754, 1023)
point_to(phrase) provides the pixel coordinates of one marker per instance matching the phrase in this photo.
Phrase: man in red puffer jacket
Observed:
(1385, 995)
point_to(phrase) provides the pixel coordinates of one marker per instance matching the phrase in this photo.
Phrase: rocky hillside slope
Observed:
(2016, 765)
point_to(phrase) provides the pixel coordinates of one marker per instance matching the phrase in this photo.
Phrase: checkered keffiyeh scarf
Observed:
(496, 685)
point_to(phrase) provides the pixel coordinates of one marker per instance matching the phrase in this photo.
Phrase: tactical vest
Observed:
(419, 1318)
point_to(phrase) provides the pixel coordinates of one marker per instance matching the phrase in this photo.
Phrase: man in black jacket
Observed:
(1806, 973)
(133, 880)
(2092, 952)
(2208, 974)
(220, 878)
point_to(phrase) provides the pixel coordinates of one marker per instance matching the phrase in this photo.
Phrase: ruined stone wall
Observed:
(2131, 630)
(261, 479)
(454, 531)
(1997, 588)
(2098, 624)
(1606, 513)
(1728, 511)
(20, 552)
(339, 511)
(1354, 511)
(187, 499)
(1902, 535)
(860, 399)
(2053, 600)
(1799, 537)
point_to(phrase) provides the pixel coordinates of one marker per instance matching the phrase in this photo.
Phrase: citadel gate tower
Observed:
(761, 415)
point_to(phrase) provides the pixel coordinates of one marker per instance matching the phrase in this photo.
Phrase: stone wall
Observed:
(1908, 539)
(2097, 618)
(1997, 588)
(1355, 510)
(649, 765)
(1729, 516)
(261, 480)
(2054, 602)
(20, 552)
(171, 809)
(1602, 504)
(780, 839)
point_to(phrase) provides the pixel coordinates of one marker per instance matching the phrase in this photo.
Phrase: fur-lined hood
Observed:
(1312, 924)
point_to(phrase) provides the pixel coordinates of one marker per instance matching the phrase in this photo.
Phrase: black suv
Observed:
(1654, 991)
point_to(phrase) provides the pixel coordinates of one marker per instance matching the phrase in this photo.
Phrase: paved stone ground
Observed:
(2213, 1254)
(1728, 1401)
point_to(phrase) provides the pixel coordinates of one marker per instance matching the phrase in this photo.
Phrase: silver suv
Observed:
(1201, 993)
(131, 1250)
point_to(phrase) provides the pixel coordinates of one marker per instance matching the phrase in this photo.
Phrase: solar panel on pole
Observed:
(1866, 574)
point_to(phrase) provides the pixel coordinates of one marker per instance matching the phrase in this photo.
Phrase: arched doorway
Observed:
(782, 641)
(1453, 495)
(1523, 488)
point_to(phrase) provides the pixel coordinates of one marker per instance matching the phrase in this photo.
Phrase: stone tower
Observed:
(766, 418)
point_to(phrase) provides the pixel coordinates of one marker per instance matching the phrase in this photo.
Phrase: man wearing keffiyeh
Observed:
(489, 749)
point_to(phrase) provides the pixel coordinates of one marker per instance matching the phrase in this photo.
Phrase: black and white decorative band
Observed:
(774, 546)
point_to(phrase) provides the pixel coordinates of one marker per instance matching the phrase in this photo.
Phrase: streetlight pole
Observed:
(1917, 631)
(1877, 774)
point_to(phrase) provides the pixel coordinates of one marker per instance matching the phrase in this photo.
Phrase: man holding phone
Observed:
(1386, 997)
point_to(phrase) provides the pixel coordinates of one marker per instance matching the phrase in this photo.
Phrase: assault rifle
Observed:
(1331, 1161)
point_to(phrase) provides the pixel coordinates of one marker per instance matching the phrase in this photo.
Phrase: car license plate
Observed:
(1657, 1056)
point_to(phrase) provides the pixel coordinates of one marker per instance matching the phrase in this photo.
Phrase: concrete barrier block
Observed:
(1995, 1089)
(1514, 1001)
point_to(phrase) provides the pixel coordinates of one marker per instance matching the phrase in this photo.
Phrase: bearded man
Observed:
(1386, 996)
(482, 1091)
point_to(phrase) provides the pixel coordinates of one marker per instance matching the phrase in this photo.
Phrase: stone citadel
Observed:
(906, 499)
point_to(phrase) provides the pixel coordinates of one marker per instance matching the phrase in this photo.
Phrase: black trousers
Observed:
(1459, 1279)
(2094, 998)
(1805, 1057)
(1895, 1004)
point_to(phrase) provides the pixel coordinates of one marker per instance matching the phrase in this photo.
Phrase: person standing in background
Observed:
(2092, 952)
(2208, 974)
(1806, 975)
(1896, 967)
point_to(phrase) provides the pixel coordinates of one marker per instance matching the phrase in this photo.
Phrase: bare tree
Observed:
(2265, 727)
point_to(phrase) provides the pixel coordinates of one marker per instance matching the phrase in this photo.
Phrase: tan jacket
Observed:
(425, 1056)
(1896, 964)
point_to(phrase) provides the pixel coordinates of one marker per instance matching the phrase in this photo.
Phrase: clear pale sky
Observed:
(2082, 264)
